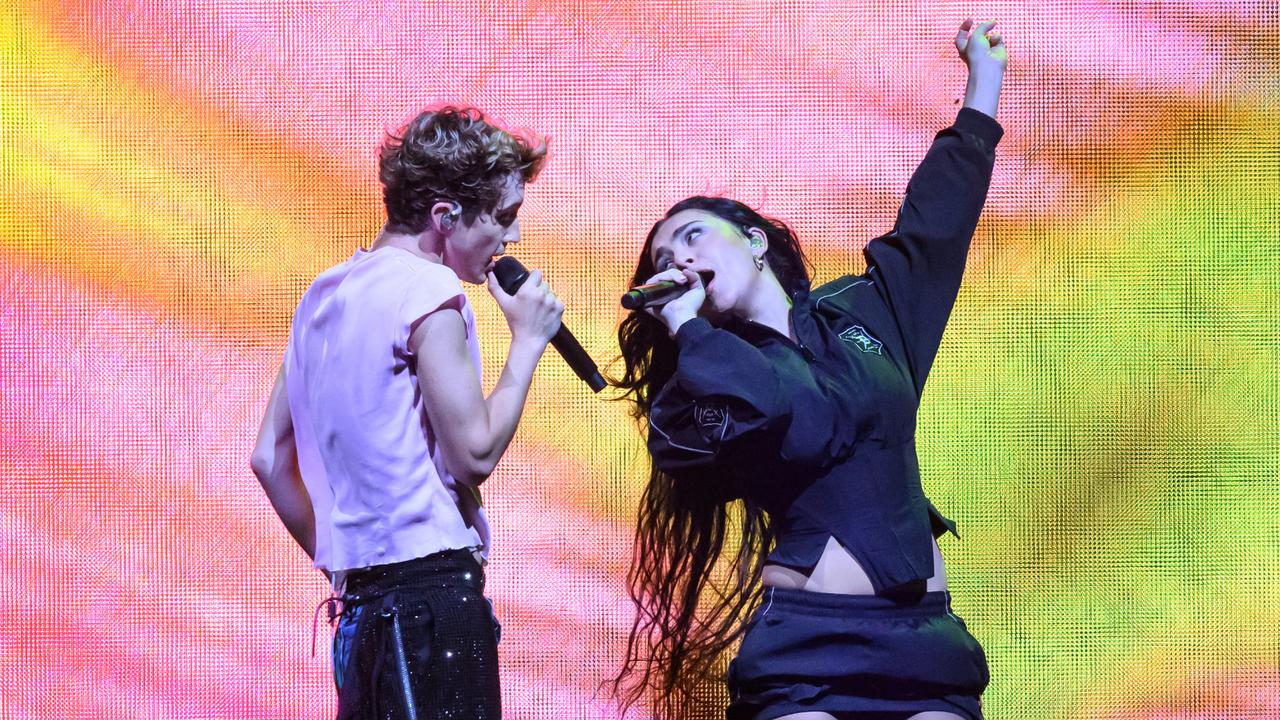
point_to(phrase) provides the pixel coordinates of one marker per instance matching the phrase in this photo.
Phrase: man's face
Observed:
(470, 249)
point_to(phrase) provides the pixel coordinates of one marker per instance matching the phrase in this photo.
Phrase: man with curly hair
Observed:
(377, 435)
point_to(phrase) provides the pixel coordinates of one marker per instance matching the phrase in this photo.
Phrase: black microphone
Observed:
(643, 296)
(511, 275)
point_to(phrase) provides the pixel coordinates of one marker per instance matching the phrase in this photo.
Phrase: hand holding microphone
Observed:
(652, 294)
(674, 295)
(511, 275)
(532, 311)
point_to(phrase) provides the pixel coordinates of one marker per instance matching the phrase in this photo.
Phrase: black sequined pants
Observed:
(417, 640)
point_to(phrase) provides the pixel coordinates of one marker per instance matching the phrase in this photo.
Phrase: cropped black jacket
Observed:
(821, 430)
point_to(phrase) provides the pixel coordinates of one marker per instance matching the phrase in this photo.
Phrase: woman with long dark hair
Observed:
(784, 506)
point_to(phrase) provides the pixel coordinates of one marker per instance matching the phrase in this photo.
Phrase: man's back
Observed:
(377, 481)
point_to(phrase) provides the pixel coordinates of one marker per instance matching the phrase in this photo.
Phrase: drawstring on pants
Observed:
(334, 604)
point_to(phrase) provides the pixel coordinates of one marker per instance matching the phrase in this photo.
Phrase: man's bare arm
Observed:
(275, 463)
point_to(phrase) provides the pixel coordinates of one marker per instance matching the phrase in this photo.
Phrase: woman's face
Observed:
(718, 250)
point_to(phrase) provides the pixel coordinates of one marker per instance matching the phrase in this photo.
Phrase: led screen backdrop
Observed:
(1102, 419)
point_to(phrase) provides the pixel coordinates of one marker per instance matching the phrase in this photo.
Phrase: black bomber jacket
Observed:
(821, 430)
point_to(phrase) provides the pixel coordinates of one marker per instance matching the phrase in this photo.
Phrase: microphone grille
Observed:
(511, 274)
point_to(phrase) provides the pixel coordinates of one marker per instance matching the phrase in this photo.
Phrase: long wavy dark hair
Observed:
(688, 611)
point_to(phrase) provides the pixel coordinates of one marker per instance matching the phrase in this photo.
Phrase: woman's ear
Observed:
(759, 244)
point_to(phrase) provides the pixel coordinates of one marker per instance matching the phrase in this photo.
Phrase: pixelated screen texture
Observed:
(1102, 419)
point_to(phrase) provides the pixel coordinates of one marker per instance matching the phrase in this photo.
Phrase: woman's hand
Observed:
(984, 52)
(684, 308)
(981, 48)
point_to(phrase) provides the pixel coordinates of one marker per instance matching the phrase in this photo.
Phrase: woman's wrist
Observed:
(675, 320)
(982, 93)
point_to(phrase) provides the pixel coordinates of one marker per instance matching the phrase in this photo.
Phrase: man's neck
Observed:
(424, 244)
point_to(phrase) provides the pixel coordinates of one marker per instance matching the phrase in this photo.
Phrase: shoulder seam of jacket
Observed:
(855, 283)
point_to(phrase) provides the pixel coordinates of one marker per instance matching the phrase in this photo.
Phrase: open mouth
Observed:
(706, 276)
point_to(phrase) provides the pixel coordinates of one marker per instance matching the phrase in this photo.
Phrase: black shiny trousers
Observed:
(417, 640)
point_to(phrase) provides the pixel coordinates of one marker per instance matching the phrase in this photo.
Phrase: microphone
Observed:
(658, 293)
(511, 275)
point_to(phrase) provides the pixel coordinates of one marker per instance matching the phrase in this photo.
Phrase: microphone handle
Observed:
(583, 366)
(657, 293)
(511, 274)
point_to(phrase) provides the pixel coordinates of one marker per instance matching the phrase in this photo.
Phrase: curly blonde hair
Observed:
(451, 154)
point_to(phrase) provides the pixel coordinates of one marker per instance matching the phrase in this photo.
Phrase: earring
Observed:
(759, 262)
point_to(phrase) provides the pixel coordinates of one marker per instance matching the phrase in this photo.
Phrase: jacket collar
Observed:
(802, 322)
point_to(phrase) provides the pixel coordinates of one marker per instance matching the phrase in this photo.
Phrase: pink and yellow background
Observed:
(1103, 419)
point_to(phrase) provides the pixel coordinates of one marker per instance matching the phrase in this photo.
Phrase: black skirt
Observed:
(856, 656)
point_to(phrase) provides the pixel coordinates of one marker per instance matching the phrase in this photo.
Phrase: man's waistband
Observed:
(447, 568)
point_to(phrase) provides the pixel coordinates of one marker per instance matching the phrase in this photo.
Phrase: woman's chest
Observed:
(860, 364)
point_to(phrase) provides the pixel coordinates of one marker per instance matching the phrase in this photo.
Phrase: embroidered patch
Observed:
(859, 336)
(708, 417)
